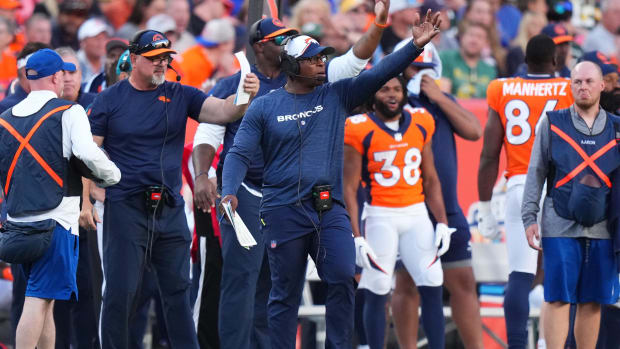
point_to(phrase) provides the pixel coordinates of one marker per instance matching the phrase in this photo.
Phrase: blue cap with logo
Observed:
(601, 60)
(558, 33)
(268, 28)
(44, 63)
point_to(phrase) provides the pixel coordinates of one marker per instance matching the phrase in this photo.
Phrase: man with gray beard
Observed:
(141, 124)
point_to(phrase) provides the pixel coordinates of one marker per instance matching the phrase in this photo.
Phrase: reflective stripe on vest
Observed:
(24, 143)
(587, 160)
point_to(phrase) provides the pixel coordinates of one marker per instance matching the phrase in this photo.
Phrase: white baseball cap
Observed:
(217, 31)
(162, 23)
(399, 5)
(303, 46)
(92, 27)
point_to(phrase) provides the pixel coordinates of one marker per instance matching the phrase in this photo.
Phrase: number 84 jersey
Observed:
(520, 103)
(391, 158)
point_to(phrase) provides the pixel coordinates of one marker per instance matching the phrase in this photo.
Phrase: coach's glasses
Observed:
(157, 60)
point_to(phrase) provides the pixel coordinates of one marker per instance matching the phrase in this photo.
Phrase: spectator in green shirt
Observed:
(465, 74)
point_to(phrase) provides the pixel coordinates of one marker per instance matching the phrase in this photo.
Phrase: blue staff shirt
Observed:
(227, 87)
(11, 99)
(133, 124)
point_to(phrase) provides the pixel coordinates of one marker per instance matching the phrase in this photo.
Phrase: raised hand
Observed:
(382, 7)
(423, 32)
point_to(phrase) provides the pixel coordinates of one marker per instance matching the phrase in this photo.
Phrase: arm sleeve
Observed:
(247, 140)
(536, 174)
(357, 90)
(345, 66)
(210, 134)
(97, 116)
(195, 99)
(75, 123)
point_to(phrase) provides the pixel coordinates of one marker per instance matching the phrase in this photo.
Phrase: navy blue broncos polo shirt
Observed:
(144, 134)
(227, 87)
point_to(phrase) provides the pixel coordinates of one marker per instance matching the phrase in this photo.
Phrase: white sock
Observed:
(541, 344)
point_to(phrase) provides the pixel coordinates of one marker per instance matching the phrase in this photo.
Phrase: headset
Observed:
(255, 33)
(125, 65)
(133, 45)
(288, 64)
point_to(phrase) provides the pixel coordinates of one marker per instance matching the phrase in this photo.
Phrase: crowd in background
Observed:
(480, 40)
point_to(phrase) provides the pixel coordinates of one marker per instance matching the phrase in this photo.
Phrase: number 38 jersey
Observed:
(391, 159)
(520, 102)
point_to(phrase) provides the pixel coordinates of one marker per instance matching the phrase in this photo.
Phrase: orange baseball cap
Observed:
(10, 4)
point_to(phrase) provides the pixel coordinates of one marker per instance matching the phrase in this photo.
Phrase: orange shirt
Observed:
(8, 71)
(196, 66)
(391, 159)
(520, 103)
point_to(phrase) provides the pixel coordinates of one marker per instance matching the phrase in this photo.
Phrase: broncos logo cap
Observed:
(558, 33)
(152, 43)
(268, 28)
(598, 58)
(303, 46)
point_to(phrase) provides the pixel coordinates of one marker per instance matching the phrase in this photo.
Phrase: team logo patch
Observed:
(157, 37)
(277, 22)
(273, 244)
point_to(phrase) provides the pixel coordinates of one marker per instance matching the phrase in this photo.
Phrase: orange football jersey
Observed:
(520, 103)
(391, 159)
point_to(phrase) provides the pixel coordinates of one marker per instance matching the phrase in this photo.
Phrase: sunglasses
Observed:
(314, 59)
(155, 45)
(276, 39)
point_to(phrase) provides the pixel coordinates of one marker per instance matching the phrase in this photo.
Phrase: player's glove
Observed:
(363, 253)
(487, 224)
(442, 238)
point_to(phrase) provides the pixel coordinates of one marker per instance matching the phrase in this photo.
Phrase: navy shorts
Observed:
(53, 276)
(580, 270)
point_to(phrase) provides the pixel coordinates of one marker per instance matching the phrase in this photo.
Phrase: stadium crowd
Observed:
(371, 200)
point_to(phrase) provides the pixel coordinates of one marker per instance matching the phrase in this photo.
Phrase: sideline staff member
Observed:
(576, 151)
(246, 279)
(141, 123)
(304, 120)
(43, 189)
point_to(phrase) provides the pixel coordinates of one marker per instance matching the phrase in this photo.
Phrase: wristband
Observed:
(201, 173)
(381, 25)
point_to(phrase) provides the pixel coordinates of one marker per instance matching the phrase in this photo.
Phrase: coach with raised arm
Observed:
(245, 276)
(300, 130)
